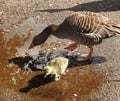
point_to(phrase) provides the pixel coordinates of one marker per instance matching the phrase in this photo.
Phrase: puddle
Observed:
(25, 76)
(77, 84)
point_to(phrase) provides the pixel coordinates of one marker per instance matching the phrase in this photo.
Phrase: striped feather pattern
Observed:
(90, 27)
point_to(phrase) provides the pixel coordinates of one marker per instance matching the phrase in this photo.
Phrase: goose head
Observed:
(43, 36)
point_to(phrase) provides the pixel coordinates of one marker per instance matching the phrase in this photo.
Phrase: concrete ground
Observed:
(20, 20)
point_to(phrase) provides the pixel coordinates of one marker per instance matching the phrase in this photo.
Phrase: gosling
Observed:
(56, 67)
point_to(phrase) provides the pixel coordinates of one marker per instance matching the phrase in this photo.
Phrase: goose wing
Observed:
(93, 27)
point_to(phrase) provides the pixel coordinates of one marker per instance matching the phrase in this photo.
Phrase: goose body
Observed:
(87, 28)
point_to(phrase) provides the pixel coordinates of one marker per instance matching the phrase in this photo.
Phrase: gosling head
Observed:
(47, 70)
(43, 36)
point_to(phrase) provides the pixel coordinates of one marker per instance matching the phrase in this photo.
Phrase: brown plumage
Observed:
(86, 28)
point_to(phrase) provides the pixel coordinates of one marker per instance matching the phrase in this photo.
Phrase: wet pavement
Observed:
(21, 74)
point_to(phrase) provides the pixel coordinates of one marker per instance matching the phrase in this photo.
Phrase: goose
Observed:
(86, 28)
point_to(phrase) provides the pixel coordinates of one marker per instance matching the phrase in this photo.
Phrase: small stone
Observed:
(69, 42)
(50, 4)
(17, 71)
(48, 49)
(67, 71)
(14, 26)
(1, 13)
(10, 65)
(38, 17)
(14, 80)
(54, 48)
(74, 94)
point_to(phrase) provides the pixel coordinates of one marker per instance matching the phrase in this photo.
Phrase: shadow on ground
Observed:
(36, 81)
(95, 6)
(37, 62)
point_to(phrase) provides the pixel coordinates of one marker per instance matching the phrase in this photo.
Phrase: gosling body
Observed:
(57, 67)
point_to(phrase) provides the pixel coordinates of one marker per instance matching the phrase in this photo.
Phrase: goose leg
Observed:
(72, 46)
(85, 57)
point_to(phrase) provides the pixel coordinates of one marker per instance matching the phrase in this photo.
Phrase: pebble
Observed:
(38, 17)
(1, 13)
(54, 48)
(14, 80)
(69, 42)
(10, 65)
(50, 4)
(17, 71)
(74, 94)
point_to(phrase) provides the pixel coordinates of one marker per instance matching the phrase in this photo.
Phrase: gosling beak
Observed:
(46, 75)
(31, 45)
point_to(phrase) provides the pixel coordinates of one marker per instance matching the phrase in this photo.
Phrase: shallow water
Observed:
(25, 73)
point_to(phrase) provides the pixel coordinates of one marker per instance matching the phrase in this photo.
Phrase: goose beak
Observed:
(31, 45)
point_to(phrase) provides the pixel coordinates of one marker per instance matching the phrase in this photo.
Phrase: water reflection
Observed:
(38, 62)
